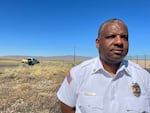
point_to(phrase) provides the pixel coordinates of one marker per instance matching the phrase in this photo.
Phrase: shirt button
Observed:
(94, 70)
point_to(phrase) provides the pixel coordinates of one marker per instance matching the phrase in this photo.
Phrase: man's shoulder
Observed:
(87, 62)
(134, 65)
(138, 68)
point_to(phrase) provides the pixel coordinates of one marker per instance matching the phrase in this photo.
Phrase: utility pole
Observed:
(74, 58)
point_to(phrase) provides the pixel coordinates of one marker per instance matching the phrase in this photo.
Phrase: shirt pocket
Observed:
(90, 104)
(137, 105)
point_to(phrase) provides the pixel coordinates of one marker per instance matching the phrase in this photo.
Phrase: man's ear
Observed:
(97, 42)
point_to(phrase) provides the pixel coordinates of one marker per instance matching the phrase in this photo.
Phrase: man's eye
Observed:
(110, 36)
(124, 37)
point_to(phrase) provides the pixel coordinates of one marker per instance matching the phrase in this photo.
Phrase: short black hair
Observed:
(113, 20)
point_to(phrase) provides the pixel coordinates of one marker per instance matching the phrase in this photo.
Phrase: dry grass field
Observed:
(31, 89)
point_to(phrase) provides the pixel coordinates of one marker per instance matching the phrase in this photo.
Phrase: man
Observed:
(107, 83)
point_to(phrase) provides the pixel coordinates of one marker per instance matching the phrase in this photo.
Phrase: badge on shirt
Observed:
(90, 94)
(135, 88)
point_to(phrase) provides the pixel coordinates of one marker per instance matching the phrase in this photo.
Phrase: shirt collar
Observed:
(124, 67)
(97, 66)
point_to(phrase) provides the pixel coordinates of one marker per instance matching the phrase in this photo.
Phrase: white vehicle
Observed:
(30, 61)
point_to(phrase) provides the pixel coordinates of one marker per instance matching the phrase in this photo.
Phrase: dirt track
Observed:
(8, 65)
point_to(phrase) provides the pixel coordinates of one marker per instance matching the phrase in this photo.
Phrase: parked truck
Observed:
(30, 61)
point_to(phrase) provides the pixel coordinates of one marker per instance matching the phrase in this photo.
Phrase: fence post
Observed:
(137, 59)
(145, 61)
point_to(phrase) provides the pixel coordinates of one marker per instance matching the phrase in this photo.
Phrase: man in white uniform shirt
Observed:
(107, 83)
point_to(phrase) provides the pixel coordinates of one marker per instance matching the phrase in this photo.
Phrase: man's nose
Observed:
(118, 39)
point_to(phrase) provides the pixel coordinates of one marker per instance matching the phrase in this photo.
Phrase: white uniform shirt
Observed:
(91, 89)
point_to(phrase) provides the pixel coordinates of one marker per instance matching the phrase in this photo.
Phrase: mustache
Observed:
(117, 48)
(118, 45)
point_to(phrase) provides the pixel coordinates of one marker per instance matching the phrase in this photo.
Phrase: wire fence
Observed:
(142, 60)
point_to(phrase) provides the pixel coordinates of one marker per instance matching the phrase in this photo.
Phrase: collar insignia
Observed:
(69, 78)
(135, 88)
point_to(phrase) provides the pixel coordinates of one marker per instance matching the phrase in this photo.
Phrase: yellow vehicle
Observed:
(24, 61)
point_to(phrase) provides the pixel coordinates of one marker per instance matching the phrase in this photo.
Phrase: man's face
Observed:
(113, 42)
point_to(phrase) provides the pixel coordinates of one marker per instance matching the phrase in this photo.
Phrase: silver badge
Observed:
(135, 88)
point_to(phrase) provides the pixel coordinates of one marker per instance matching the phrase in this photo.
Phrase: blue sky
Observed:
(56, 27)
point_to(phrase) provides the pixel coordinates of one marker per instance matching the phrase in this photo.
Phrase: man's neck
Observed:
(111, 68)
